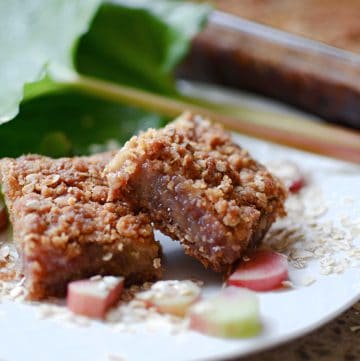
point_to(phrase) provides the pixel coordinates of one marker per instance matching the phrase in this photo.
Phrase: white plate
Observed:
(286, 314)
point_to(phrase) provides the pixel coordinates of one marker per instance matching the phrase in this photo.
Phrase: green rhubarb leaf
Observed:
(134, 42)
(33, 35)
(71, 123)
(139, 42)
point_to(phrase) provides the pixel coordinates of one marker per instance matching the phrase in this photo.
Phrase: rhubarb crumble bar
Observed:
(198, 187)
(65, 229)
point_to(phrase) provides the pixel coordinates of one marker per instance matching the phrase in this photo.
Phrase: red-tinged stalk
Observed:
(263, 271)
(306, 135)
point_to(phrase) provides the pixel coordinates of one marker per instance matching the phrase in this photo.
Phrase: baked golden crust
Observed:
(65, 229)
(198, 187)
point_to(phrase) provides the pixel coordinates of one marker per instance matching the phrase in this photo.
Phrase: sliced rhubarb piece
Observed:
(93, 297)
(233, 313)
(264, 271)
(172, 297)
(297, 185)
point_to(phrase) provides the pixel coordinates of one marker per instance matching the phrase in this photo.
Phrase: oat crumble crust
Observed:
(65, 229)
(198, 187)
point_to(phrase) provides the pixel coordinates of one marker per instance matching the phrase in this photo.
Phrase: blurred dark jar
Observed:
(308, 74)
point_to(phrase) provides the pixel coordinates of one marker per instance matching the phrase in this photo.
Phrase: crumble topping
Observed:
(65, 229)
(198, 187)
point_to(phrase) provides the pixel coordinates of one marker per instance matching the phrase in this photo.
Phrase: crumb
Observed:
(157, 263)
(287, 284)
(355, 328)
(308, 280)
(112, 357)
